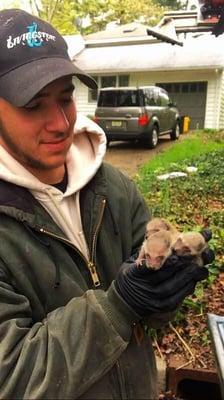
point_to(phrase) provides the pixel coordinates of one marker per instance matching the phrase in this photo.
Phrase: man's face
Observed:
(40, 134)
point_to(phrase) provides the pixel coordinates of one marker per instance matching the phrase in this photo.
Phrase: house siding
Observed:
(221, 119)
(81, 98)
(212, 116)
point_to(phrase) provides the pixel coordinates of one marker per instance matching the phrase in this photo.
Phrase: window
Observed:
(123, 80)
(202, 86)
(176, 88)
(164, 99)
(107, 81)
(127, 98)
(152, 97)
(168, 87)
(118, 98)
(107, 99)
(185, 88)
(193, 87)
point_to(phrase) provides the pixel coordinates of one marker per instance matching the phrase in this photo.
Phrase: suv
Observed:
(143, 113)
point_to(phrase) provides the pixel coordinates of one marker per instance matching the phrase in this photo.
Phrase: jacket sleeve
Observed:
(139, 215)
(48, 359)
(134, 211)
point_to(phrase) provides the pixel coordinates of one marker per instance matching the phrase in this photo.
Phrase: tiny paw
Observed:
(138, 262)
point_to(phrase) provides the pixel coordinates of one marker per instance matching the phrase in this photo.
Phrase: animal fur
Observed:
(162, 239)
(190, 244)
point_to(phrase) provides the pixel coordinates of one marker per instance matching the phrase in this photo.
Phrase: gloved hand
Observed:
(151, 291)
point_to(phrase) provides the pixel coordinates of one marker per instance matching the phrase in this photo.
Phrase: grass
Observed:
(192, 203)
(197, 143)
(197, 200)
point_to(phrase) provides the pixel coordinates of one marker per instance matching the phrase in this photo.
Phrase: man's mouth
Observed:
(55, 140)
(56, 144)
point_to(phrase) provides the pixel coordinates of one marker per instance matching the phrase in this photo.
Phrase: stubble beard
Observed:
(21, 156)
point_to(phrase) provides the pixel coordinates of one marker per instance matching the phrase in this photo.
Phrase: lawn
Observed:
(191, 202)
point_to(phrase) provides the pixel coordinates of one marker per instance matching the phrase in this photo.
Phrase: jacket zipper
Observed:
(90, 264)
(91, 267)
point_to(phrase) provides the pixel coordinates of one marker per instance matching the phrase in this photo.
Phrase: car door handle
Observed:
(128, 115)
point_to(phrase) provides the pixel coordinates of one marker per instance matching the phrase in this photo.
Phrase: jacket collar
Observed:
(19, 203)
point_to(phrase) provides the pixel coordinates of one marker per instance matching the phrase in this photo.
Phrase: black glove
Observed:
(208, 254)
(148, 291)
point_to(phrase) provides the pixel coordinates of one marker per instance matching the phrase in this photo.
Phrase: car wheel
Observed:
(175, 134)
(153, 138)
(108, 142)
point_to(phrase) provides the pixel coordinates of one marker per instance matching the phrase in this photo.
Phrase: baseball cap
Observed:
(32, 55)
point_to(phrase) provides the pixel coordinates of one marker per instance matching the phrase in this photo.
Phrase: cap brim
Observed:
(20, 85)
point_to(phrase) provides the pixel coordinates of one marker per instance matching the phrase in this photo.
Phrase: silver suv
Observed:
(143, 113)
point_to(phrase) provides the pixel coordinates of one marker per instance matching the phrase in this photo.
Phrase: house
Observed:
(128, 56)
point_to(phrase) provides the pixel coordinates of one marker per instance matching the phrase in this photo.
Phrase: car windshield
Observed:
(119, 98)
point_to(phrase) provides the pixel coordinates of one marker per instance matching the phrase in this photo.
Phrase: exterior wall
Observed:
(221, 119)
(214, 113)
(81, 97)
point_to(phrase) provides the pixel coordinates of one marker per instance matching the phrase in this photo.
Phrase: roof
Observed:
(119, 31)
(75, 44)
(165, 31)
(204, 52)
(134, 32)
(127, 88)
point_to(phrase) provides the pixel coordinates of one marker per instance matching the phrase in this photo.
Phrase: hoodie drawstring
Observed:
(47, 244)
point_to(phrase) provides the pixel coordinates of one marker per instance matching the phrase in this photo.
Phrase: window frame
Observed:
(98, 78)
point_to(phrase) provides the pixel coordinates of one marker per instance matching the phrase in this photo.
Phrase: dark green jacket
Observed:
(60, 336)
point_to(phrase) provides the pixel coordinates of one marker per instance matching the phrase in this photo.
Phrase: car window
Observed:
(164, 99)
(118, 98)
(151, 96)
(107, 99)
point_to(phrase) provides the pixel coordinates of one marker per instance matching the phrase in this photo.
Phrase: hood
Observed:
(83, 160)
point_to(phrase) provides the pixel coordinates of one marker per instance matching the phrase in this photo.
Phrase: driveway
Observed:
(129, 156)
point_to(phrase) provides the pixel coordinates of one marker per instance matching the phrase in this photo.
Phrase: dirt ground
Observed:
(129, 156)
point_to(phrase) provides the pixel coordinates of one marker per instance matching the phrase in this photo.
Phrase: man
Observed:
(67, 223)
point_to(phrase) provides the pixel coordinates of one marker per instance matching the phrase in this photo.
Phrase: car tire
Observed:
(175, 134)
(153, 138)
(108, 142)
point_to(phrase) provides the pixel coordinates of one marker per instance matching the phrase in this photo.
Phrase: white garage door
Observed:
(190, 98)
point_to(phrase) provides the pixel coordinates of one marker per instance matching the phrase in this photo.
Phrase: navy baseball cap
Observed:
(32, 55)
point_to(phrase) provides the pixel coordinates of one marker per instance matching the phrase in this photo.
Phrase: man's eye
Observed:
(67, 100)
(32, 107)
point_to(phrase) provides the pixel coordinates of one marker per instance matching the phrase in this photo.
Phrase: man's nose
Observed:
(56, 119)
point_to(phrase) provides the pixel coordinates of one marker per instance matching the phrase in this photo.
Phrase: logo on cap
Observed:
(32, 38)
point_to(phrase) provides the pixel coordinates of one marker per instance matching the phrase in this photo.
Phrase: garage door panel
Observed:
(190, 98)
